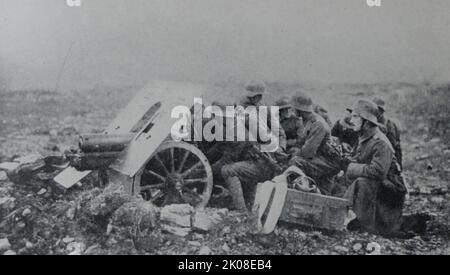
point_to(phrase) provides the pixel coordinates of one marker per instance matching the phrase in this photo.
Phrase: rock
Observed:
(70, 214)
(341, 249)
(91, 249)
(7, 203)
(75, 248)
(226, 230)
(42, 191)
(3, 176)
(9, 252)
(53, 133)
(9, 166)
(225, 247)
(194, 243)
(176, 230)
(26, 212)
(437, 200)
(32, 158)
(45, 177)
(26, 170)
(204, 221)
(29, 245)
(68, 240)
(223, 212)
(108, 201)
(357, 247)
(373, 248)
(198, 236)
(177, 215)
(4, 244)
(139, 215)
(205, 251)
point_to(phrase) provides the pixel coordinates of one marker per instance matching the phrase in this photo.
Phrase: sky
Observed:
(47, 44)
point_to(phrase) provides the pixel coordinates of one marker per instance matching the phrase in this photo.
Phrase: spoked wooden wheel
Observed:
(178, 172)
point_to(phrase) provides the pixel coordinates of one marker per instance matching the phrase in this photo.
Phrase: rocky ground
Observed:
(38, 217)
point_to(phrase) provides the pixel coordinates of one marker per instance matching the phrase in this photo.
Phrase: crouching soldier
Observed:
(313, 152)
(377, 190)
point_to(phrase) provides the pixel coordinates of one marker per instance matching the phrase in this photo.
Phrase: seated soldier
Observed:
(377, 191)
(241, 167)
(313, 152)
(291, 124)
(343, 131)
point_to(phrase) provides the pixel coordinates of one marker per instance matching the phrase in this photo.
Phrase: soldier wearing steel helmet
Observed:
(377, 191)
(289, 121)
(253, 94)
(313, 151)
(239, 168)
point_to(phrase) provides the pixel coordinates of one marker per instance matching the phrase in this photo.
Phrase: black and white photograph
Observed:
(227, 128)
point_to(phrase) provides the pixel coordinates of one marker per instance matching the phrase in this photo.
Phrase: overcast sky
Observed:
(123, 42)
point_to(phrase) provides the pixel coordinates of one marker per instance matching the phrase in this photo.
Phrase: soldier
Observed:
(291, 124)
(343, 131)
(390, 129)
(254, 91)
(241, 167)
(377, 191)
(323, 112)
(313, 152)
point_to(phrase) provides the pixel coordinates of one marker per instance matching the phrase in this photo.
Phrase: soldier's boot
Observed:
(237, 194)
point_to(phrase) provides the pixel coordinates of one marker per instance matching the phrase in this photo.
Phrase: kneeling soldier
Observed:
(377, 191)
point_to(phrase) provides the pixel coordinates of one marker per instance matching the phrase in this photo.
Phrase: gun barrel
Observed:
(104, 143)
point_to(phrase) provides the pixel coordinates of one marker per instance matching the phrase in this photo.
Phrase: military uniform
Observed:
(323, 112)
(313, 152)
(377, 190)
(345, 133)
(391, 131)
(241, 166)
(316, 156)
(240, 160)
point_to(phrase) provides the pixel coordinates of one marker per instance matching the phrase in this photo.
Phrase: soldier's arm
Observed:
(393, 134)
(282, 139)
(313, 141)
(378, 167)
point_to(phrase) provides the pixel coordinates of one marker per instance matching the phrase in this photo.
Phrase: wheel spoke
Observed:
(152, 186)
(153, 173)
(183, 161)
(189, 181)
(162, 164)
(172, 159)
(193, 167)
